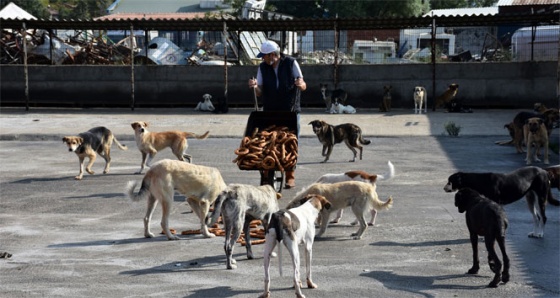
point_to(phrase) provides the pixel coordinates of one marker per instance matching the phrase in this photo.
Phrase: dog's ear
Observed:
(65, 139)
(278, 196)
(146, 124)
(134, 124)
(80, 140)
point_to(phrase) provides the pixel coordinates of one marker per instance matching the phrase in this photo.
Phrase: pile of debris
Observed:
(79, 48)
(324, 57)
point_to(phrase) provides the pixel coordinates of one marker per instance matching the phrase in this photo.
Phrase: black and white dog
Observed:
(531, 182)
(485, 218)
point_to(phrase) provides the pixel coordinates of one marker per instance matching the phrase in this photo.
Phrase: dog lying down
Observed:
(360, 196)
(357, 176)
(239, 204)
(205, 105)
(292, 227)
(485, 218)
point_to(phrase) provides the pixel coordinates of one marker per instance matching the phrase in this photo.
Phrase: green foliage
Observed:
(443, 4)
(452, 129)
(351, 9)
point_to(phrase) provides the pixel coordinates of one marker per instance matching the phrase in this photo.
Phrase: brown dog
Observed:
(149, 143)
(88, 144)
(550, 118)
(534, 132)
(554, 176)
(447, 96)
(539, 108)
(386, 102)
(511, 131)
(329, 135)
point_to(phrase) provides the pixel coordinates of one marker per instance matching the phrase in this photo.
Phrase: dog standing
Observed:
(360, 196)
(357, 176)
(485, 218)
(149, 143)
(550, 118)
(292, 227)
(386, 101)
(329, 135)
(332, 96)
(447, 96)
(420, 99)
(239, 205)
(206, 105)
(531, 182)
(535, 133)
(89, 144)
(199, 184)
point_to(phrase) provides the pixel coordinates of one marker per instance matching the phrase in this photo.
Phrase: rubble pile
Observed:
(72, 50)
(324, 57)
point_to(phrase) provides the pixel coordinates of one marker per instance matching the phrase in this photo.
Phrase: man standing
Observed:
(279, 82)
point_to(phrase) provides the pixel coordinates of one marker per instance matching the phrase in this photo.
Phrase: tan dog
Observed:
(447, 96)
(360, 196)
(386, 102)
(88, 144)
(549, 116)
(511, 130)
(534, 132)
(199, 184)
(149, 143)
(539, 108)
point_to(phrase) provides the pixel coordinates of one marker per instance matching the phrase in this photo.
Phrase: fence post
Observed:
(335, 74)
(132, 103)
(25, 70)
(225, 42)
(433, 41)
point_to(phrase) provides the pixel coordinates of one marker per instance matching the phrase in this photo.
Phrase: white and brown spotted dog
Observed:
(535, 134)
(89, 144)
(358, 176)
(240, 204)
(292, 227)
(360, 196)
(149, 143)
(205, 105)
(199, 184)
(420, 96)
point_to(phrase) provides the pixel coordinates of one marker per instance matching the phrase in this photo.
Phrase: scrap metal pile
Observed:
(76, 49)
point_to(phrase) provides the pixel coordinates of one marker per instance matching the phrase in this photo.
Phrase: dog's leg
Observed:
(201, 208)
(92, 156)
(293, 249)
(308, 258)
(351, 147)
(324, 222)
(81, 174)
(338, 216)
(233, 231)
(502, 244)
(152, 203)
(359, 212)
(546, 152)
(493, 261)
(538, 214)
(328, 154)
(151, 154)
(373, 216)
(247, 231)
(166, 210)
(106, 154)
(143, 164)
(474, 245)
(270, 244)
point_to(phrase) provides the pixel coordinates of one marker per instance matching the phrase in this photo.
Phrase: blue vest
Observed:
(285, 97)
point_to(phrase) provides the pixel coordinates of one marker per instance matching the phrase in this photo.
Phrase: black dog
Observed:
(485, 218)
(329, 135)
(531, 182)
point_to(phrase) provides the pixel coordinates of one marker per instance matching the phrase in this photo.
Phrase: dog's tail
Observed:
(121, 146)
(194, 135)
(276, 222)
(388, 175)
(142, 194)
(550, 198)
(379, 205)
(213, 217)
(364, 141)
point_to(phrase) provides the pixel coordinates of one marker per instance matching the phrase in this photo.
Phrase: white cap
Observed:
(268, 47)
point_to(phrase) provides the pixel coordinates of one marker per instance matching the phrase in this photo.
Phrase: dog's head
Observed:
(318, 201)
(534, 124)
(207, 97)
(539, 107)
(552, 117)
(511, 129)
(139, 127)
(454, 87)
(419, 91)
(387, 89)
(318, 126)
(464, 199)
(72, 142)
(453, 182)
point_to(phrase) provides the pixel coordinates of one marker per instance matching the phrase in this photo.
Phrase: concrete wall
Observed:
(484, 85)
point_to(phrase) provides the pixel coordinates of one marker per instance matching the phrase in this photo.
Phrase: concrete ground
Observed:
(85, 239)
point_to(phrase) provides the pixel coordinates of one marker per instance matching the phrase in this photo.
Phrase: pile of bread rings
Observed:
(272, 148)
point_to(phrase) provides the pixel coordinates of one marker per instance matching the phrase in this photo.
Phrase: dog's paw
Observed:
(535, 235)
(265, 295)
(78, 177)
(173, 237)
(505, 277)
(149, 235)
(106, 172)
(90, 172)
(311, 284)
(473, 270)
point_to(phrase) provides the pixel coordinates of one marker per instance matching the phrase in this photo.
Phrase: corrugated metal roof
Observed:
(464, 11)
(526, 2)
(153, 16)
(216, 24)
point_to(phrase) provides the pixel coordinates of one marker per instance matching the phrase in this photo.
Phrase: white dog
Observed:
(420, 98)
(206, 105)
(239, 205)
(293, 226)
(199, 184)
(362, 197)
(357, 176)
(338, 108)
